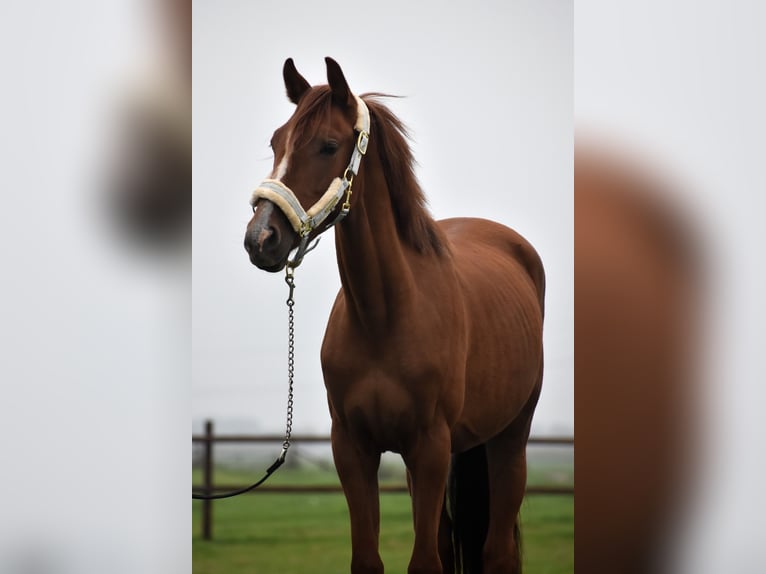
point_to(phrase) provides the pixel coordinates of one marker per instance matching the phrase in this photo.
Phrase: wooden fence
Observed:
(208, 486)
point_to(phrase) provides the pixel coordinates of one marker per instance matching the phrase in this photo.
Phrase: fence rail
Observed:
(273, 438)
(208, 486)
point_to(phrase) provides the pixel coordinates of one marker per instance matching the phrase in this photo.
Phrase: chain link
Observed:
(289, 279)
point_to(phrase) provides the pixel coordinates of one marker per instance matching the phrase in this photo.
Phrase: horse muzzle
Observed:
(269, 237)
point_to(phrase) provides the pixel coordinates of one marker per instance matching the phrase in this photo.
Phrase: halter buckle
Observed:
(362, 141)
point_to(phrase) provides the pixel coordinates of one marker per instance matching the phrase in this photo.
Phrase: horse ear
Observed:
(341, 94)
(295, 83)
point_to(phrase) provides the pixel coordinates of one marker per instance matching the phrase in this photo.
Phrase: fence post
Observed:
(207, 483)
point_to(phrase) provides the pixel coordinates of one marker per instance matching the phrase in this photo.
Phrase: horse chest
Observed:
(382, 400)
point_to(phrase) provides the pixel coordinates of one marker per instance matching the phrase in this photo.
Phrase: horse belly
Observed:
(488, 409)
(504, 362)
(496, 392)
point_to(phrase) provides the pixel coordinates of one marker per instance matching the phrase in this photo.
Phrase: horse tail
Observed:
(468, 498)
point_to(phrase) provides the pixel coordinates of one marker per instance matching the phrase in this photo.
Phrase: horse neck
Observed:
(376, 278)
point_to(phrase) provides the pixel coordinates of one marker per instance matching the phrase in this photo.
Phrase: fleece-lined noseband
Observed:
(304, 222)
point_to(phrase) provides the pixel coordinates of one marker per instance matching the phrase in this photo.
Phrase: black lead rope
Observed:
(290, 271)
(271, 470)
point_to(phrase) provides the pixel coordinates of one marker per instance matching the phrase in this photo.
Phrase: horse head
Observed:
(301, 198)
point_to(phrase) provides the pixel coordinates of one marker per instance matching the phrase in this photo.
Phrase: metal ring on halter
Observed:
(348, 176)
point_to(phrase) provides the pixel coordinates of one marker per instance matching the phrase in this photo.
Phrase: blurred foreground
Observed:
(94, 318)
(639, 282)
(669, 283)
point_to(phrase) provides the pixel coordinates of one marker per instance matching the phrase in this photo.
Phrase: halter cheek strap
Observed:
(304, 222)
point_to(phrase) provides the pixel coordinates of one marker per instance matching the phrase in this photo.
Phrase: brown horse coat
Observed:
(433, 346)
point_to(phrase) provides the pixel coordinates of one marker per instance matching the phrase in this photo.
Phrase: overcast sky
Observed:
(488, 99)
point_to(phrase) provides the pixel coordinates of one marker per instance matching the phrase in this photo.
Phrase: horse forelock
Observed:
(312, 113)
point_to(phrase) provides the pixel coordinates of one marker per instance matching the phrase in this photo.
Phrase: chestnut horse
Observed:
(433, 348)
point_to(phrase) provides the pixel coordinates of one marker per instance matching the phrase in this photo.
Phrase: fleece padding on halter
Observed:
(306, 221)
(284, 198)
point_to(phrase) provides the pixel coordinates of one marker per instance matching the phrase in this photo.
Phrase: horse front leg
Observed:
(358, 473)
(428, 464)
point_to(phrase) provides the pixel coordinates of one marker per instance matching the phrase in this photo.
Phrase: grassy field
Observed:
(301, 533)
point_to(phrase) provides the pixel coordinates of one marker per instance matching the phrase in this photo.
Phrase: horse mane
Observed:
(415, 225)
(413, 221)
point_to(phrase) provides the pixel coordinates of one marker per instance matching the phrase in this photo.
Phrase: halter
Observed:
(304, 222)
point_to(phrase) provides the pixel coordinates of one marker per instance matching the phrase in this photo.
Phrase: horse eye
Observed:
(329, 148)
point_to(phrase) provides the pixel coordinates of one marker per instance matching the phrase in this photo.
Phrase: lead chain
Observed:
(290, 359)
(288, 431)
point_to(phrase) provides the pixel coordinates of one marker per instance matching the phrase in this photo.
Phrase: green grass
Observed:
(301, 533)
(547, 466)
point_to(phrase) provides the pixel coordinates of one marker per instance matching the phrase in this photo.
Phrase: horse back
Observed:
(488, 244)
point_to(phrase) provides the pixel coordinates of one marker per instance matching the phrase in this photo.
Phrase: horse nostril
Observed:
(268, 237)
